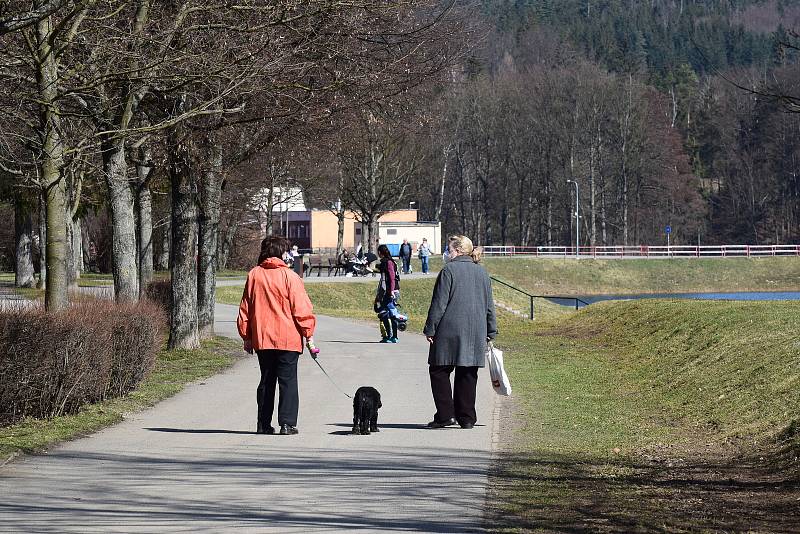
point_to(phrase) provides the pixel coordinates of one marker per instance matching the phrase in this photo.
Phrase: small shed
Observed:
(392, 233)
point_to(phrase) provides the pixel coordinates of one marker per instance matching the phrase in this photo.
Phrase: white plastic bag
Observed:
(500, 381)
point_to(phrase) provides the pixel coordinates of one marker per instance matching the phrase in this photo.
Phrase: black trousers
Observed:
(458, 404)
(278, 366)
(406, 263)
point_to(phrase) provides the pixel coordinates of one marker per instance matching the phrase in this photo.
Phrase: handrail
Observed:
(576, 299)
(516, 289)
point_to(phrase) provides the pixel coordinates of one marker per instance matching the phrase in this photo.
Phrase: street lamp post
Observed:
(577, 218)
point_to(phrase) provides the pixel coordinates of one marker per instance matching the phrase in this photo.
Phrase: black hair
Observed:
(273, 246)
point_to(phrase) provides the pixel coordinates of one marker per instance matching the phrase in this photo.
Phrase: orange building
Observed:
(325, 227)
(318, 229)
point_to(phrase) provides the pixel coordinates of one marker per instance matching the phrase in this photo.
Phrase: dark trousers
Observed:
(406, 263)
(389, 325)
(458, 404)
(278, 366)
(387, 318)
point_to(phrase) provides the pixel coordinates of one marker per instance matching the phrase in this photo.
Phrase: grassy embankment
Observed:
(173, 371)
(587, 277)
(651, 416)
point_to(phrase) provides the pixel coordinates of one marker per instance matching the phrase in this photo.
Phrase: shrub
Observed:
(53, 363)
(160, 292)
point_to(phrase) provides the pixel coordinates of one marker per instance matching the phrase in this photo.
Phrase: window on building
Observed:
(391, 231)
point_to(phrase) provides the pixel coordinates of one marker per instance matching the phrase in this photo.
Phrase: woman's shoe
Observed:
(288, 430)
(393, 340)
(437, 424)
(384, 340)
(261, 430)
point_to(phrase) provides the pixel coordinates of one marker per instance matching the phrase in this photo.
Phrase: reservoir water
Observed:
(742, 295)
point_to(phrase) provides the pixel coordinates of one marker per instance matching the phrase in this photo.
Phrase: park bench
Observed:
(315, 262)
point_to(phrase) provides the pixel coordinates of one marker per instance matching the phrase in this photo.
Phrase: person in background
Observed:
(275, 314)
(386, 294)
(405, 255)
(424, 252)
(460, 321)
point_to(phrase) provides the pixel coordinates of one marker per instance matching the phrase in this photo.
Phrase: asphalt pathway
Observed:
(194, 464)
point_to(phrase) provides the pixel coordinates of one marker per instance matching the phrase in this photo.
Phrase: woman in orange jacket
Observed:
(274, 317)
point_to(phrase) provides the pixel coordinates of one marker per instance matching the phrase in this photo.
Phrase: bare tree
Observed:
(377, 172)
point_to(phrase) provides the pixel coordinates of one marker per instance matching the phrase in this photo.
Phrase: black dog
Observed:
(366, 402)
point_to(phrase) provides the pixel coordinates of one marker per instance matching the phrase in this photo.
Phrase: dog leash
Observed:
(314, 357)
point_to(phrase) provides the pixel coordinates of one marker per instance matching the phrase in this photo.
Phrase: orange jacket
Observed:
(275, 312)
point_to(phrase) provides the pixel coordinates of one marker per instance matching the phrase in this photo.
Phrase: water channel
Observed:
(742, 295)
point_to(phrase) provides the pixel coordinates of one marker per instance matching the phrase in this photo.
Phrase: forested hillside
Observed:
(638, 102)
(656, 37)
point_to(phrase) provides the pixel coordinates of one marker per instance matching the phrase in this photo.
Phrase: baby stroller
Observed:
(391, 310)
(358, 267)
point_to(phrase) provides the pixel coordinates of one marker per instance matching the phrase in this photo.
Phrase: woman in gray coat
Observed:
(460, 321)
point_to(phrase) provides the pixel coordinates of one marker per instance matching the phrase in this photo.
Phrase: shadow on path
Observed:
(398, 490)
(409, 426)
(555, 493)
(198, 430)
(349, 342)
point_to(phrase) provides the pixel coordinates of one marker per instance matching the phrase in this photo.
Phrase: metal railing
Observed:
(578, 301)
(646, 251)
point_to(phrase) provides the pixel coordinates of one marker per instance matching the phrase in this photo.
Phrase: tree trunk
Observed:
(603, 216)
(144, 202)
(364, 236)
(269, 227)
(374, 236)
(592, 200)
(75, 249)
(23, 240)
(85, 249)
(74, 238)
(210, 198)
(183, 331)
(162, 262)
(340, 214)
(55, 189)
(339, 231)
(42, 242)
(440, 201)
(123, 219)
(227, 242)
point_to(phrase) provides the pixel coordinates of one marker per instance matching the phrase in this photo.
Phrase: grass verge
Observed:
(173, 371)
(652, 416)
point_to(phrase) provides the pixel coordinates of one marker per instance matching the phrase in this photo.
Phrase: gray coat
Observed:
(461, 315)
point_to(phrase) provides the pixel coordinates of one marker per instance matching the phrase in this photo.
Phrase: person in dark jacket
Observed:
(405, 255)
(386, 294)
(460, 321)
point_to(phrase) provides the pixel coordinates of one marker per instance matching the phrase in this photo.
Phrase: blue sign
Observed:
(668, 229)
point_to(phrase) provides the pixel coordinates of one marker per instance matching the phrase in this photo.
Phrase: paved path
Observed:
(194, 464)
